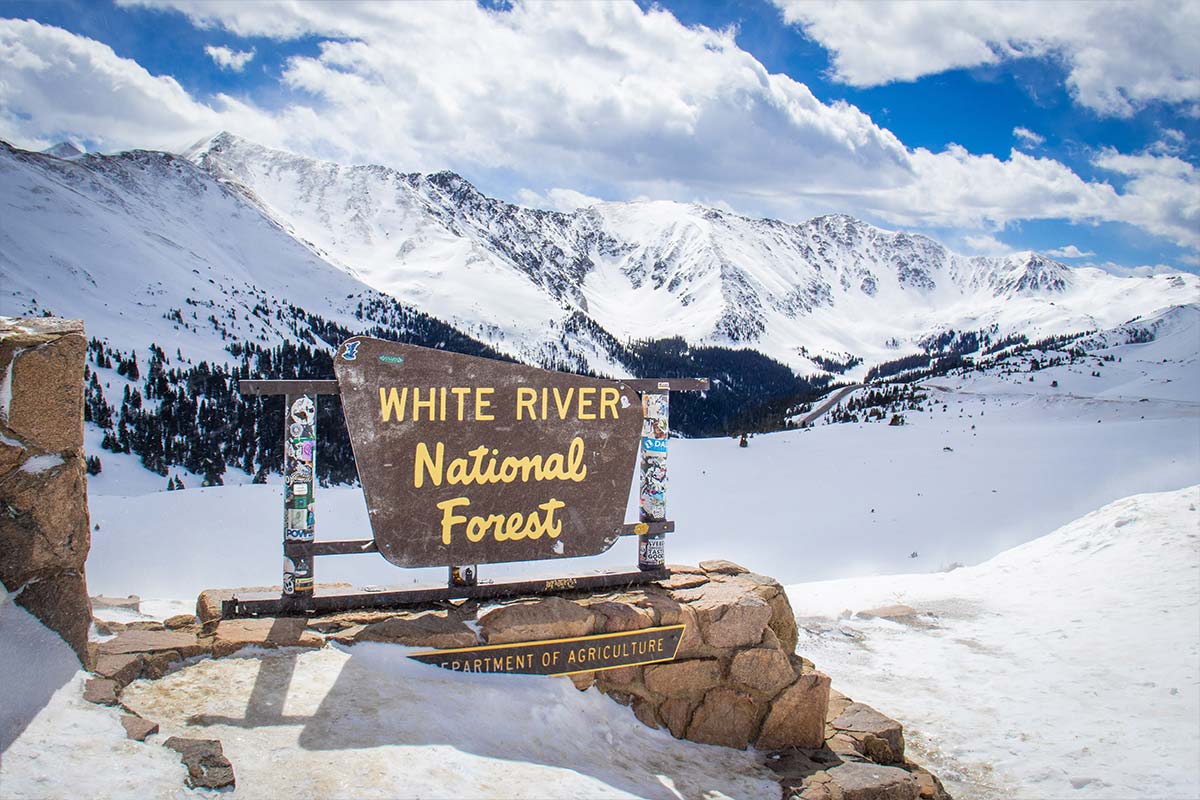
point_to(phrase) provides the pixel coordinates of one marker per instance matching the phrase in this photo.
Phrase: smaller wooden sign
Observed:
(563, 656)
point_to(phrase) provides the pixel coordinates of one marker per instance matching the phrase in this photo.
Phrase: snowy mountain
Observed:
(649, 270)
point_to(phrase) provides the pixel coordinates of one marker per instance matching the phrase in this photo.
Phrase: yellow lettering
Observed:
(392, 402)
(576, 470)
(461, 393)
(609, 398)
(423, 463)
(418, 404)
(526, 397)
(585, 403)
(563, 404)
(449, 518)
(481, 404)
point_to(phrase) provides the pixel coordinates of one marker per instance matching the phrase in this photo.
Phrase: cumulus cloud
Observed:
(1069, 251)
(986, 245)
(57, 86)
(627, 102)
(1028, 137)
(227, 58)
(556, 199)
(1118, 55)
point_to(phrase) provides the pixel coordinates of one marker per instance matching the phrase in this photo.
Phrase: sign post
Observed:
(652, 494)
(299, 476)
(467, 461)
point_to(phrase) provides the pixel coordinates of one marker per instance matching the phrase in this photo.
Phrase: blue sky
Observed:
(1068, 128)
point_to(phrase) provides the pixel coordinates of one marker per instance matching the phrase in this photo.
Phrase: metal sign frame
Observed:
(300, 594)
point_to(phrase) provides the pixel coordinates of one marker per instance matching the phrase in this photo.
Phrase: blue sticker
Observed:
(351, 351)
(654, 445)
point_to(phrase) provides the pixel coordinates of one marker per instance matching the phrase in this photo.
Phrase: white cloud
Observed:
(1118, 55)
(556, 199)
(544, 96)
(227, 58)
(986, 245)
(1028, 137)
(57, 85)
(1069, 251)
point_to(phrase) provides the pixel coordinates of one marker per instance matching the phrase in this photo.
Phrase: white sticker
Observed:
(299, 489)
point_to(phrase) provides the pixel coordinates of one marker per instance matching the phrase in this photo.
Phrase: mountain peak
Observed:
(64, 150)
(212, 143)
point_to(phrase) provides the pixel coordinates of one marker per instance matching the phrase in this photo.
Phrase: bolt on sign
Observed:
(467, 460)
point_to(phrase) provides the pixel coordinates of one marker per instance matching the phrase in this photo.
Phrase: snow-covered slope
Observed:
(652, 270)
(1065, 667)
(123, 241)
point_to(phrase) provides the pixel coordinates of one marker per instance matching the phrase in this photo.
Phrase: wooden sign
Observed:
(467, 460)
(563, 656)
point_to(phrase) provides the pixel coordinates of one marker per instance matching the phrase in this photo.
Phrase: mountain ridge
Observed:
(653, 269)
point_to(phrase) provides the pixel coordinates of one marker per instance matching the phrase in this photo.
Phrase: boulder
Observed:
(797, 715)
(882, 738)
(549, 618)
(676, 713)
(101, 691)
(138, 641)
(61, 603)
(689, 679)
(726, 717)
(783, 622)
(46, 406)
(123, 668)
(137, 728)
(156, 665)
(860, 781)
(44, 529)
(618, 617)
(763, 669)
(208, 768)
(267, 632)
(683, 580)
(722, 567)
(436, 630)
(897, 611)
(728, 616)
(179, 621)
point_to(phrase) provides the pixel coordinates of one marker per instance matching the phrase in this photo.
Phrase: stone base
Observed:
(736, 680)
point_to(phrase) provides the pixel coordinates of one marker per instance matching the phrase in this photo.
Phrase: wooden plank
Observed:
(324, 602)
(344, 547)
(667, 384)
(297, 387)
(648, 527)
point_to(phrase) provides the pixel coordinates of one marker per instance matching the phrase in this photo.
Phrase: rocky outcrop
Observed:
(735, 681)
(208, 768)
(863, 759)
(44, 534)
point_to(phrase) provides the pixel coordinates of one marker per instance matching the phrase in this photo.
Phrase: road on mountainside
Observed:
(834, 399)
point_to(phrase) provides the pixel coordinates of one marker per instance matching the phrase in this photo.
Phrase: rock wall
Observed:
(44, 529)
(735, 680)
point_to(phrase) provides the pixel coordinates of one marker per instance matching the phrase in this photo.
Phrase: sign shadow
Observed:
(381, 699)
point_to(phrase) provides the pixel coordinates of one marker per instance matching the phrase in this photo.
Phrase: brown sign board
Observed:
(563, 656)
(467, 460)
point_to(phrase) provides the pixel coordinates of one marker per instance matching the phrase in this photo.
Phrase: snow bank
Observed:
(369, 722)
(52, 742)
(1065, 667)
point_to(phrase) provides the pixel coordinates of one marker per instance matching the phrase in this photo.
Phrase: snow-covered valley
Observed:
(1077, 606)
